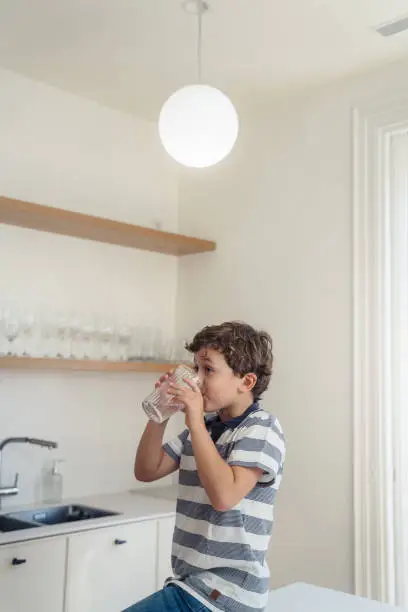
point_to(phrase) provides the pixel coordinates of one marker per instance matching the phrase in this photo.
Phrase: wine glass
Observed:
(11, 331)
(124, 335)
(62, 335)
(107, 338)
(90, 339)
(147, 343)
(27, 333)
(74, 330)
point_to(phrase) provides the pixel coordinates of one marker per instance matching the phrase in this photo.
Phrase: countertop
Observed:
(168, 492)
(301, 597)
(136, 505)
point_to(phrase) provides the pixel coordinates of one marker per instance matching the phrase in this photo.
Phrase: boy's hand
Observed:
(163, 379)
(193, 401)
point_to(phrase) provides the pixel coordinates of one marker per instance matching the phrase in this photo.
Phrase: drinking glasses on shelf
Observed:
(28, 333)
(90, 339)
(135, 344)
(181, 354)
(9, 331)
(47, 335)
(107, 340)
(124, 335)
(158, 345)
(148, 334)
(12, 331)
(63, 339)
(74, 338)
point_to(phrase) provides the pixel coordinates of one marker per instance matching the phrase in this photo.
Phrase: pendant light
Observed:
(198, 125)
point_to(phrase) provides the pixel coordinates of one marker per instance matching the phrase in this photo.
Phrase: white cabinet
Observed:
(32, 576)
(111, 568)
(101, 570)
(165, 539)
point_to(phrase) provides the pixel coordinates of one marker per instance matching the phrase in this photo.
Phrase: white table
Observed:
(300, 597)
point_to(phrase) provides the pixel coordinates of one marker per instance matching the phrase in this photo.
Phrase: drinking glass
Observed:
(12, 330)
(161, 404)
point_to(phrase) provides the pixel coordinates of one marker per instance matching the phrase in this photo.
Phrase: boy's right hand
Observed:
(164, 379)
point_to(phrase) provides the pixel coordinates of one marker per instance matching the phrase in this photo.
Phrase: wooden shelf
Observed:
(86, 365)
(68, 223)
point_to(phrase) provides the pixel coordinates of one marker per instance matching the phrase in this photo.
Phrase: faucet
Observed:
(13, 489)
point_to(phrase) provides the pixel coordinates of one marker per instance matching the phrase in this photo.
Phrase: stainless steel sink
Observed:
(59, 514)
(8, 523)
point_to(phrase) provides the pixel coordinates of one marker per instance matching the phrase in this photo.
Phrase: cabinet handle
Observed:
(119, 542)
(17, 561)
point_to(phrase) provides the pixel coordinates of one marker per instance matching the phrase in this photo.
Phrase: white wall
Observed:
(280, 209)
(63, 151)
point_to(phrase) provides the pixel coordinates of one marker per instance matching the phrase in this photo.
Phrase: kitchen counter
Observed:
(136, 505)
(168, 492)
(301, 597)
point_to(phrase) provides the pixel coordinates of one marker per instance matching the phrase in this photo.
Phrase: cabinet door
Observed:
(32, 576)
(165, 535)
(111, 568)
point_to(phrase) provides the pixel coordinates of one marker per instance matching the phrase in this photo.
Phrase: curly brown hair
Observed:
(245, 350)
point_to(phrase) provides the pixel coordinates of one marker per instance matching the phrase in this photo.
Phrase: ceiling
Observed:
(131, 54)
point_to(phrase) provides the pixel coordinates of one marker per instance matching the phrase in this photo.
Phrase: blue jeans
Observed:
(171, 598)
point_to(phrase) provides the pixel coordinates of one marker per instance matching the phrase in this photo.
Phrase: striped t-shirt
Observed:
(220, 557)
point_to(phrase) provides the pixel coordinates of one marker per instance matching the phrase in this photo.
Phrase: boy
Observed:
(230, 466)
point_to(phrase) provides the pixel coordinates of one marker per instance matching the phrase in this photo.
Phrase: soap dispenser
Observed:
(52, 493)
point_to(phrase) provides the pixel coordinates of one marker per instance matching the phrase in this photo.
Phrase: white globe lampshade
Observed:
(198, 126)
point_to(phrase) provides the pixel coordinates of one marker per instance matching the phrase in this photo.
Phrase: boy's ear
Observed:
(249, 381)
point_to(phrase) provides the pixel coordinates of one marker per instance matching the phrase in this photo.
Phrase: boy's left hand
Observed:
(192, 399)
